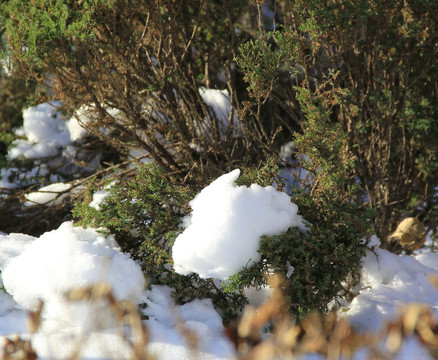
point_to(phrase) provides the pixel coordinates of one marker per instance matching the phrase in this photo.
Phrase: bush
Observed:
(321, 266)
(145, 214)
(148, 61)
(371, 68)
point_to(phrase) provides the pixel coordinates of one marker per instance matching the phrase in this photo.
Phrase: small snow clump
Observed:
(50, 194)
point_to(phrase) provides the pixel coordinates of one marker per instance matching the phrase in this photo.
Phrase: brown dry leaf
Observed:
(245, 325)
(290, 336)
(410, 233)
(190, 337)
(94, 292)
(312, 326)
(265, 350)
(410, 317)
(433, 279)
(34, 318)
(427, 328)
(18, 349)
(394, 337)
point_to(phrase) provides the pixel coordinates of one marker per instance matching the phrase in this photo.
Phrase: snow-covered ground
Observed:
(48, 268)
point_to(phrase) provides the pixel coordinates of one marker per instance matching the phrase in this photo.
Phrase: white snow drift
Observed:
(223, 231)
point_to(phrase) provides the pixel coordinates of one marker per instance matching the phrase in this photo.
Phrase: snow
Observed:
(168, 323)
(45, 131)
(223, 231)
(42, 272)
(70, 257)
(4, 179)
(48, 194)
(45, 268)
(219, 102)
(388, 282)
(52, 141)
(98, 198)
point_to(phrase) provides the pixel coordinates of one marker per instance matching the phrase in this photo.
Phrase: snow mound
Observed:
(169, 322)
(388, 282)
(47, 267)
(223, 231)
(67, 258)
(46, 195)
(46, 131)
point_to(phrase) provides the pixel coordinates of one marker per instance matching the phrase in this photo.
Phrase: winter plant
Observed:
(201, 88)
(145, 214)
(370, 68)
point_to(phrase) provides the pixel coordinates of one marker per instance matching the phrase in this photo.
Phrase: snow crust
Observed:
(223, 231)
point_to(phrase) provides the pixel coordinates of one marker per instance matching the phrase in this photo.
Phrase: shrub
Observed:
(370, 67)
(147, 60)
(145, 214)
(320, 266)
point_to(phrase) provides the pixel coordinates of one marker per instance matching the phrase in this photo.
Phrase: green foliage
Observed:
(326, 259)
(265, 174)
(50, 26)
(369, 67)
(144, 213)
(260, 66)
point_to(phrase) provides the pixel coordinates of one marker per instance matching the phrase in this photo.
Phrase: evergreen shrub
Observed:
(145, 214)
(371, 68)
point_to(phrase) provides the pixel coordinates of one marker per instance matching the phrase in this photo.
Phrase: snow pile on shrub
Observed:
(52, 141)
(49, 194)
(223, 232)
(219, 102)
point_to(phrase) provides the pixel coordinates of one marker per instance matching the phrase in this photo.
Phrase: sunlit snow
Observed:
(224, 229)
(50, 194)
